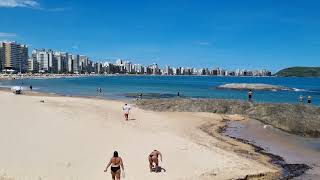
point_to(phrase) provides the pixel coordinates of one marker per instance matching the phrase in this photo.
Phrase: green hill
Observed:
(299, 72)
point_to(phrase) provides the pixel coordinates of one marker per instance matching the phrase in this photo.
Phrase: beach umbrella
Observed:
(16, 88)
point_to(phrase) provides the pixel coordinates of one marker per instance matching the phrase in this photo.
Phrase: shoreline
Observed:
(43, 76)
(285, 116)
(262, 159)
(289, 170)
(53, 76)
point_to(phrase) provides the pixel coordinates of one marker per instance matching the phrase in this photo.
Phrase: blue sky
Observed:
(250, 34)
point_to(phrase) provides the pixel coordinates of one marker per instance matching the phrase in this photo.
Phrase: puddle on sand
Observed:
(294, 149)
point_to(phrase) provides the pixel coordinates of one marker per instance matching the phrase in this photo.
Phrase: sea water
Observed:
(118, 87)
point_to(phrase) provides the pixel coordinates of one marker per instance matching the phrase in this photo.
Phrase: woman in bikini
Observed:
(153, 159)
(115, 163)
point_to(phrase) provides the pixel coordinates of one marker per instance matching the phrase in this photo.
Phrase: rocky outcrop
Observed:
(302, 120)
(247, 86)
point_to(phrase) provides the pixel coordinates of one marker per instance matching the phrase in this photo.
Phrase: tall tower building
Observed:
(14, 56)
(45, 59)
(70, 64)
(83, 64)
(76, 62)
(62, 61)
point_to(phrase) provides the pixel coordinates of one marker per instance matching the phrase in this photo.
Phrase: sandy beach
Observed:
(71, 138)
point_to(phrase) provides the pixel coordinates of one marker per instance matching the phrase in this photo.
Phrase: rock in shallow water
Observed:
(303, 120)
(247, 86)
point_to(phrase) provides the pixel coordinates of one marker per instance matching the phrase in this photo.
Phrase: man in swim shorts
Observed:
(126, 109)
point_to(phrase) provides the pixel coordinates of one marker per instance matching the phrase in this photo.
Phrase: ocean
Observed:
(119, 87)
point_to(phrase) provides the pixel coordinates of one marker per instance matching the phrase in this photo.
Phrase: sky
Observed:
(250, 34)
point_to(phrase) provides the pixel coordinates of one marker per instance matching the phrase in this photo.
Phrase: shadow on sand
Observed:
(158, 169)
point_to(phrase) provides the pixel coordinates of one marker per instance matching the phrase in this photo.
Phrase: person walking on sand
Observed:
(115, 163)
(126, 109)
(250, 93)
(153, 160)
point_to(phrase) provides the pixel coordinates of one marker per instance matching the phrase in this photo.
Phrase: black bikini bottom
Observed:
(115, 169)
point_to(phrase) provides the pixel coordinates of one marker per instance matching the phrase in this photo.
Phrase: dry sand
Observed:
(68, 138)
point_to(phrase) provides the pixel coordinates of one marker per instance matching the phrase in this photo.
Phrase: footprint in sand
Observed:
(68, 164)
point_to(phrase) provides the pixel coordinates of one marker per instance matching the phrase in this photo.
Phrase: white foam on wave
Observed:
(298, 90)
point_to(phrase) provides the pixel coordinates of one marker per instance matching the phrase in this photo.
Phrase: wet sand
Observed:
(73, 138)
(292, 148)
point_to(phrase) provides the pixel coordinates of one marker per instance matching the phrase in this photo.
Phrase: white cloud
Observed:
(6, 35)
(29, 4)
(19, 3)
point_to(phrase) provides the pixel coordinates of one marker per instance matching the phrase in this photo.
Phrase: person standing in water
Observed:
(115, 163)
(309, 99)
(153, 160)
(250, 93)
(301, 99)
(126, 109)
(30, 87)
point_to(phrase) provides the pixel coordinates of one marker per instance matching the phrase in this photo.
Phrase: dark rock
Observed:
(303, 120)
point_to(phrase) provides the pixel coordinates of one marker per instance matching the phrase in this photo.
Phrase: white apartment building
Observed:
(45, 59)
(62, 61)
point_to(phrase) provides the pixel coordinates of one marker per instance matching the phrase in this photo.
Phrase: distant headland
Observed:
(299, 72)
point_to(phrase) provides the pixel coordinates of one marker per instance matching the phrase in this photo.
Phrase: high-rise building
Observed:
(137, 68)
(76, 61)
(155, 68)
(83, 64)
(70, 64)
(128, 66)
(45, 59)
(62, 61)
(33, 65)
(89, 67)
(14, 56)
(98, 68)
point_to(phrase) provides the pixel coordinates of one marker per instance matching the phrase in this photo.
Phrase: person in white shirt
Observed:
(126, 109)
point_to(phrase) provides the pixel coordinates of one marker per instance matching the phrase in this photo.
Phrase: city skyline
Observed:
(266, 35)
(14, 58)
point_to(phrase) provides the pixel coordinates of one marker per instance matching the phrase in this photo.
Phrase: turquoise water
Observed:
(115, 87)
